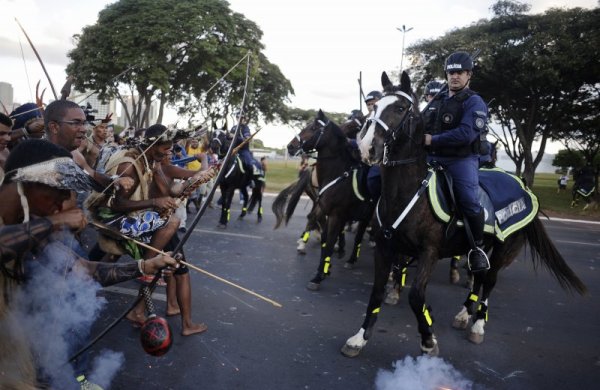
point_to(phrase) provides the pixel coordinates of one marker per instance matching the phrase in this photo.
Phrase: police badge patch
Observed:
(447, 118)
(479, 123)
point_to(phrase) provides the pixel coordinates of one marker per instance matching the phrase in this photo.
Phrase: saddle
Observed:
(508, 204)
(585, 189)
(359, 182)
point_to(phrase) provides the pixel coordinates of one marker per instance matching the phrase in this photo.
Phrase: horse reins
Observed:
(391, 137)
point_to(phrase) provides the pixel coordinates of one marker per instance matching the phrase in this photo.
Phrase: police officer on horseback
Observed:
(244, 133)
(370, 100)
(453, 128)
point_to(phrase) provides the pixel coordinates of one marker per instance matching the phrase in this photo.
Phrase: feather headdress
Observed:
(62, 173)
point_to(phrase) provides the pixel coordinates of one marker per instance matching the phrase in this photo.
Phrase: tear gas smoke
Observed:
(56, 308)
(424, 373)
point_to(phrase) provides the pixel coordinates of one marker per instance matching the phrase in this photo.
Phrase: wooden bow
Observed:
(39, 59)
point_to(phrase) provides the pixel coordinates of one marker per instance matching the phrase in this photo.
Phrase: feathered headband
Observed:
(62, 173)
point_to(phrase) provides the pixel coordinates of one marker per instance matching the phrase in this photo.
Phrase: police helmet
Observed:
(373, 95)
(433, 87)
(459, 60)
(355, 114)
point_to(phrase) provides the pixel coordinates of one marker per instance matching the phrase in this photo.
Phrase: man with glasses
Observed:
(65, 126)
(454, 140)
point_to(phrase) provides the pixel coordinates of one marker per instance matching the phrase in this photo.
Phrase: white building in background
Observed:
(152, 114)
(104, 108)
(6, 95)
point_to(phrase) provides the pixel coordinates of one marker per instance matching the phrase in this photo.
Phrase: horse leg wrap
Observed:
(428, 318)
(482, 311)
(358, 251)
(470, 303)
(425, 321)
(403, 277)
(327, 265)
(305, 236)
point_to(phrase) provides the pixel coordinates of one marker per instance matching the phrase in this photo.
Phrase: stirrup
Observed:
(481, 257)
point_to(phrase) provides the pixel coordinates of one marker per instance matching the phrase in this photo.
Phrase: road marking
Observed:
(229, 234)
(577, 242)
(134, 293)
(574, 220)
(238, 299)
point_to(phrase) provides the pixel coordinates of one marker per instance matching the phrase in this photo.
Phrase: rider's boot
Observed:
(477, 258)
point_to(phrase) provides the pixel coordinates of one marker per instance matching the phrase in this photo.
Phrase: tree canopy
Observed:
(178, 52)
(537, 72)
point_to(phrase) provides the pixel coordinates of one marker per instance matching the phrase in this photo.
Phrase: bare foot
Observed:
(173, 311)
(136, 319)
(193, 329)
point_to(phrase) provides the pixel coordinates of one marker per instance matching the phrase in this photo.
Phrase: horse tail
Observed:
(279, 203)
(297, 191)
(544, 252)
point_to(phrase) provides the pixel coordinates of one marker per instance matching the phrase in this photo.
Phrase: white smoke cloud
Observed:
(57, 308)
(423, 373)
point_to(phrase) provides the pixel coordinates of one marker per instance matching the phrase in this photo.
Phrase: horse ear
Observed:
(320, 115)
(405, 82)
(386, 82)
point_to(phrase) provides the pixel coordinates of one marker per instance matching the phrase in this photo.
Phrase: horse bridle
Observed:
(392, 136)
(318, 133)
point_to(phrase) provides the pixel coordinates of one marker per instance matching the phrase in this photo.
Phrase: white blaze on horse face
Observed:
(366, 142)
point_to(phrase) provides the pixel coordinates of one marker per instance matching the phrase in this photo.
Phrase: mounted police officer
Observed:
(431, 89)
(244, 152)
(372, 98)
(453, 137)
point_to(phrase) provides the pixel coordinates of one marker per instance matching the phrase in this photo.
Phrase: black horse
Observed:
(236, 178)
(340, 197)
(395, 140)
(307, 183)
(584, 186)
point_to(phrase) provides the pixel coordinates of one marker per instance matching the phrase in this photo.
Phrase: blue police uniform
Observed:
(455, 143)
(244, 151)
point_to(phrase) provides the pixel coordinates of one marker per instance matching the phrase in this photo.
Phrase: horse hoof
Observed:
(460, 324)
(301, 251)
(475, 338)
(259, 220)
(349, 265)
(454, 276)
(222, 226)
(430, 347)
(312, 286)
(350, 351)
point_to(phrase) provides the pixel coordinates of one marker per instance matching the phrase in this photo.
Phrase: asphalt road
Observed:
(538, 336)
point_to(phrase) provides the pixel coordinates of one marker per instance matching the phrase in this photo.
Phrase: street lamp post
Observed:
(403, 30)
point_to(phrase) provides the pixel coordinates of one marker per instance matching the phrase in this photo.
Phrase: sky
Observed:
(321, 46)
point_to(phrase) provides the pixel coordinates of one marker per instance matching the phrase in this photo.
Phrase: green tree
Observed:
(568, 159)
(532, 66)
(298, 118)
(176, 53)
